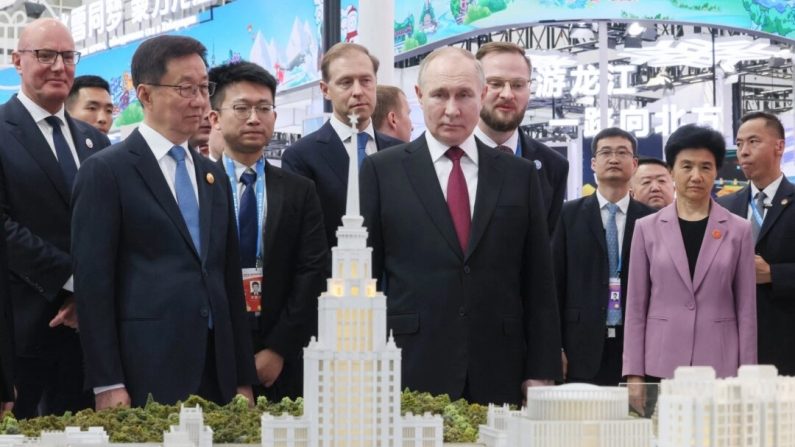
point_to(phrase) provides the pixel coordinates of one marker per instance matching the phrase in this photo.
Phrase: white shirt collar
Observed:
(770, 191)
(438, 148)
(38, 112)
(623, 204)
(344, 131)
(159, 144)
(512, 142)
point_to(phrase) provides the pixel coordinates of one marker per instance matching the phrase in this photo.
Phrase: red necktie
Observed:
(458, 197)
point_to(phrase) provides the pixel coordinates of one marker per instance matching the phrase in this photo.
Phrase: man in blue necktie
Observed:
(283, 248)
(157, 263)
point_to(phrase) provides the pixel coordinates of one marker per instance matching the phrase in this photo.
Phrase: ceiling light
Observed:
(635, 29)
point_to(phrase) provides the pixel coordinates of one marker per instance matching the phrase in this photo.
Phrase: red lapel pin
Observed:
(716, 234)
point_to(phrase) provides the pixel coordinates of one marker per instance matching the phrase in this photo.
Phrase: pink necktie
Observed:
(458, 197)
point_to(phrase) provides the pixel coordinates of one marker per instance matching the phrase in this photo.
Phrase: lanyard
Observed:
(259, 188)
(755, 212)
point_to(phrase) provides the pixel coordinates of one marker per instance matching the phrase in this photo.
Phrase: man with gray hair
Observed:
(463, 253)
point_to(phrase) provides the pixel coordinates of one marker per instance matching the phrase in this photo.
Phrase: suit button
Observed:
(462, 312)
(467, 269)
(204, 312)
(691, 305)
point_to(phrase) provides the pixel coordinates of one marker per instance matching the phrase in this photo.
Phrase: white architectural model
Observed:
(71, 436)
(572, 415)
(191, 431)
(352, 370)
(754, 409)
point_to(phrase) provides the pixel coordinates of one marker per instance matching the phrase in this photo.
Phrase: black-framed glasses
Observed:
(190, 90)
(243, 111)
(47, 57)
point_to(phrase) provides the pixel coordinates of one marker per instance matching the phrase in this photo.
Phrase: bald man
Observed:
(41, 149)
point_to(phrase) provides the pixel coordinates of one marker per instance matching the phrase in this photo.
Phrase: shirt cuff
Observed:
(70, 284)
(102, 389)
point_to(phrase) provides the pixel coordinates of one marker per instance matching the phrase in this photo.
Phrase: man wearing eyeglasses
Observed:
(41, 149)
(157, 265)
(591, 247)
(282, 238)
(508, 72)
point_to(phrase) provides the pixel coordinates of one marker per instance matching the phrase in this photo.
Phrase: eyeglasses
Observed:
(190, 90)
(48, 57)
(621, 154)
(243, 112)
(516, 85)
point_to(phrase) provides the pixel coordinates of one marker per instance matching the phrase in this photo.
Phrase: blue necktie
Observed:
(62, 151)
(247, 219)
(611, 235)
(361, 145)
(186, 197)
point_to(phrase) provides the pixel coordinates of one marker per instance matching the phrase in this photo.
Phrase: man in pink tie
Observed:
(460, 241)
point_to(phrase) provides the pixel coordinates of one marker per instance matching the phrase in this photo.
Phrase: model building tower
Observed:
(754, 409)
(352, 369)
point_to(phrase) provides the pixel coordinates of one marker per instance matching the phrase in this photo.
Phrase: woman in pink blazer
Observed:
(691, 297)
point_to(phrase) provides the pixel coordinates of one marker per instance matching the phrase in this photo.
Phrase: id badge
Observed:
(252, 289)
(614, 311)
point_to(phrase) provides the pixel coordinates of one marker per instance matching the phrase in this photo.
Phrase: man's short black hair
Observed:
(652, 161)
(234, 72)
(86, 81)
(693, 136)
(153, 55)
(770, 121)
(614, 132)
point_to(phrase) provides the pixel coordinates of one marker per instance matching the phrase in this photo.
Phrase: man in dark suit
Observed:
(592, 282)
(157, 267)
(349, 80)
(459, 235)
(507, 72)
(41, 150)
(768, 202)
(6, 344)
(282, 242)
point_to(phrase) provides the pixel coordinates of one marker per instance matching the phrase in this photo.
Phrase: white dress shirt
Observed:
(770, 192)
(344, 132)
(39, 114)
(512, 142)
(240, 169)
(443, 165)
(160, 146)
(621, 216)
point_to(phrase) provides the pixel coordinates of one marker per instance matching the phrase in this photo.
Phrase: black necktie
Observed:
(248, 221)
(62, 151)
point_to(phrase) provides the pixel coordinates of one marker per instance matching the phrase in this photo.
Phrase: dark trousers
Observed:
(52, 383)
(609, 373)
(209, 388)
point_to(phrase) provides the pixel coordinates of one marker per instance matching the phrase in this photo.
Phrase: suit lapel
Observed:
(490, 181)
(333, 151)
(737, 203)
(29, 136)
(422, 176)
(594, 222)
(149, 170)
(206, 191)
(80, 140)
(673, 242)
(714, 236)
(783, 199)
(633, 212)
(274, 187)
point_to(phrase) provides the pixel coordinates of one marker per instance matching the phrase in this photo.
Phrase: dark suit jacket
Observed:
(6, 344)
(35, 199)
(552, 176)
(579, 249)
(321, 157)
(486, 319)
(144, 293)
(293, 271)
(775, 302)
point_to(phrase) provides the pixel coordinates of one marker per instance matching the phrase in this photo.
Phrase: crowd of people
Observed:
(180, 261)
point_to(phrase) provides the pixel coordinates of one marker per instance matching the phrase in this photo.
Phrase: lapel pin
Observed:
(538, 165)
(716, 234)
(89, 143)
(784, 202)
(210, 178)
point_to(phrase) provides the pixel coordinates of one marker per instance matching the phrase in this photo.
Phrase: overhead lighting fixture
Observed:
(635, 29)
(697, 52)
(661, 81)
(582, 34)
(34, 10)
